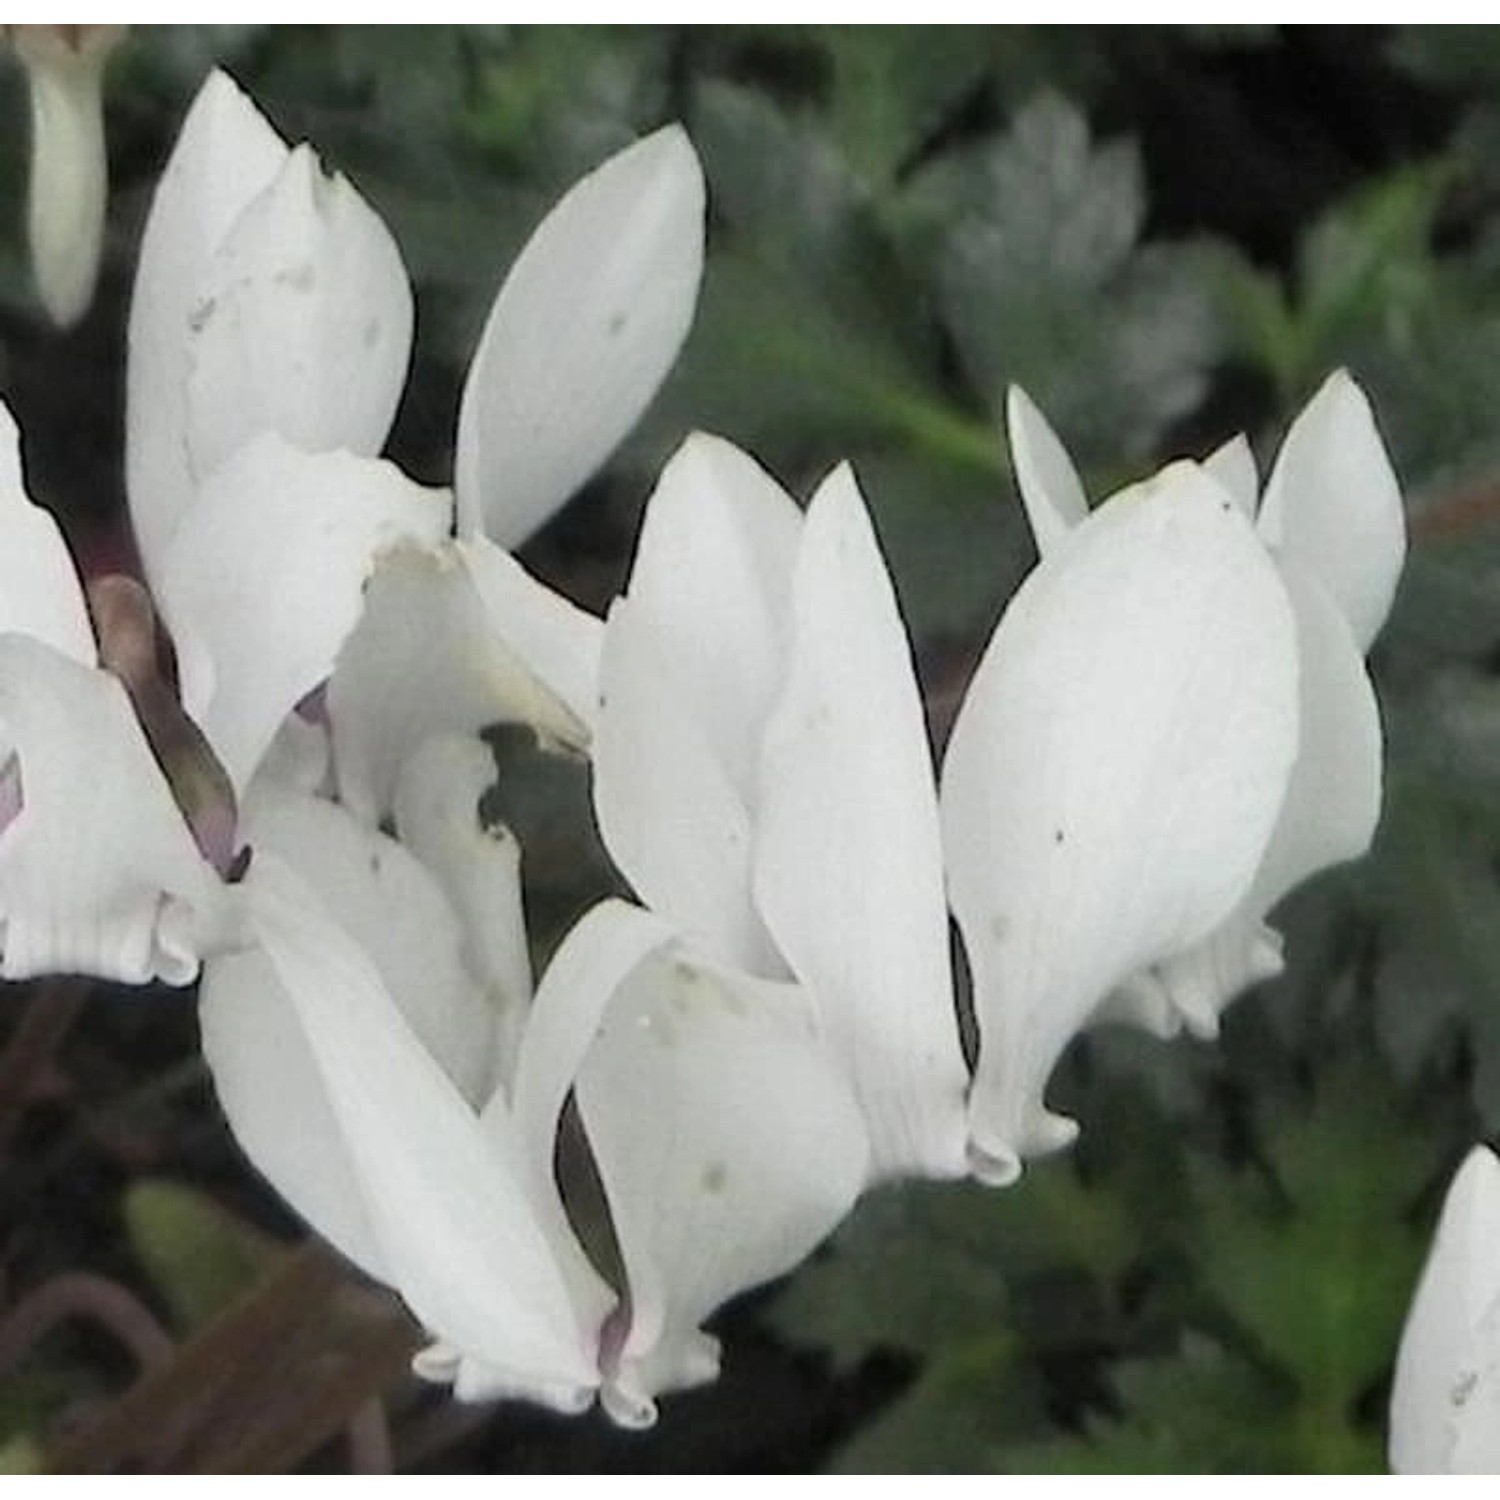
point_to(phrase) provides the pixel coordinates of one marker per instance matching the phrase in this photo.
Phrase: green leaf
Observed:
(1201, 1411)
(199, 1256)
(1315, 1260)
(1042, 282)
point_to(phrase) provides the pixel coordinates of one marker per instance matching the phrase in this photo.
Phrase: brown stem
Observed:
(79, 1294)
(369, 1436)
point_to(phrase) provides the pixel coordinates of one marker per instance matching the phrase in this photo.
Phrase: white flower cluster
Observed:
(1172, 726)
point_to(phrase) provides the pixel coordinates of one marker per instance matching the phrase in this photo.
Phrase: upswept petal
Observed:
(603, 947)
(1232, 464)
(675, 825)
(226, 153)
(848, 861)
(478, 866)
(1445, 1400)
(266, 1073)
(263, 582)
(39, 592)
(1329, 814)
(582, 332)
(98, 872)
(752, 1150)
(445, 1198)
(1333, 507)
(1051, 490)
(301, 325)
(1113, 778)
(712, 579)
(452, 638)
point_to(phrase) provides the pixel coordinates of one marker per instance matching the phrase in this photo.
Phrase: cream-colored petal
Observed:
(582, 332)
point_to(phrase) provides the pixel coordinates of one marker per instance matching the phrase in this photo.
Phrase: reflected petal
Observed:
(263, 582)
(225, 155)
(712, 581)
(445, 1197)
(1232, 464)
(752, 1151)
(1333, 506)
(674, 824)
(849, 864)
(302, 323)
(1050, 487)
(1329, 814)
(1113, 777)
(582, 332)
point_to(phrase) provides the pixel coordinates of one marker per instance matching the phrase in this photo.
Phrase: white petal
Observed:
(445, 1199)
(673, 822)
(302, 323)
(712, 579)
(582, 332)
(1329, 814)
(98, 872)
(1233, 465)
(451, 639)
(266, 1074)
(478, 867)
(751, 1150)
(1333, 506)
(274, 1098)
(1113, 777)
(225, 155)
(605, 945)
(393, 906)
(263, 582)
(1050, 487)
(39, 592)
(849, 863)
(1445, 1399)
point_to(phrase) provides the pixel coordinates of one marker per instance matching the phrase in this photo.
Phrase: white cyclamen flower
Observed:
(1332, 520)
(1445, 1401)
(762, 777)
(1112, 779)
(372, 1073)
(271, 321)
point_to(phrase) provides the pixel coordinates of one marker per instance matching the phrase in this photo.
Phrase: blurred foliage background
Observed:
(1167, 235)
